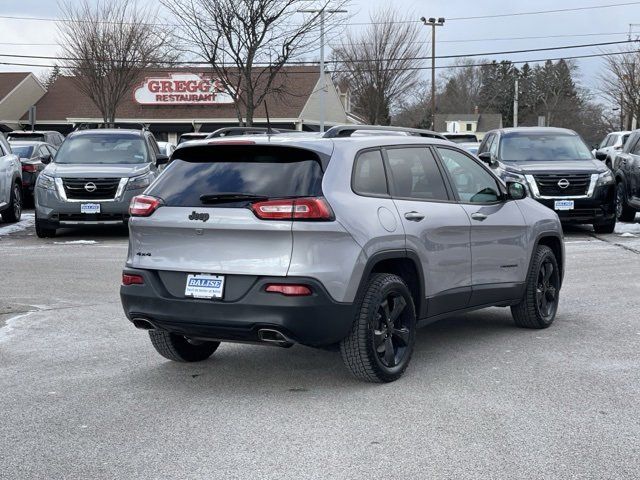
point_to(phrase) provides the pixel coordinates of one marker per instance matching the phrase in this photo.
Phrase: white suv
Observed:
(10, 183)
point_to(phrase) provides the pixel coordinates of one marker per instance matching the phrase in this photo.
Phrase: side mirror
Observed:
(46, 159)
(161, 159)
(600, 155)
(516, 191)
(486, 158)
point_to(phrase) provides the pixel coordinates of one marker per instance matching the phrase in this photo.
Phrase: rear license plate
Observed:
(204, 286)
(90, 208)
(563, 205)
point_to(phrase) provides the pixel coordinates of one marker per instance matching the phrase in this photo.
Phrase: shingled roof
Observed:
(64, 101)
(9, 81)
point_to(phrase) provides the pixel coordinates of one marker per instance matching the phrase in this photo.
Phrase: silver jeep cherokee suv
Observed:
(340, 241)
(93, 178)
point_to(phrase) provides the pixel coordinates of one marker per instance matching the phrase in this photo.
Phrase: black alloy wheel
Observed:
(391, 330)
(547, 290)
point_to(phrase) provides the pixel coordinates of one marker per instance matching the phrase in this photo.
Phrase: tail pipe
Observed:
(274, 337)
(143, 324)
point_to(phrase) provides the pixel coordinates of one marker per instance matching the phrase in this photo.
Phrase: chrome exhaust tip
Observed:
(274, 337)
(142, 324)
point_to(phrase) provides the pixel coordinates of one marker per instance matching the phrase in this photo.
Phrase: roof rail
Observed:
(348, 130)
(237, 131)
(100, 125)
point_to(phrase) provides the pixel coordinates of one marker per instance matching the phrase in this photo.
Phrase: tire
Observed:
(623, 211)
(42, 231)
(368, 352)
(608, 227)
(542, 293)
(14, 211)
(179, 349)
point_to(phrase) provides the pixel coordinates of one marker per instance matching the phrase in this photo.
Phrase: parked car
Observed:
(610, 146)
(186, 137)
(47, 136)
(93, 177)
(166, 148)
(627, 177)
(346, 242)
(559, 170)
(32, 154)
(461, 137)
(10, 183)
(471, 147)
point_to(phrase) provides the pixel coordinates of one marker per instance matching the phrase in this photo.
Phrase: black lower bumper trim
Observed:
(314, 320)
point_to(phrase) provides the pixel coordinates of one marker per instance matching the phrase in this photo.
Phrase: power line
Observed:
(439, 67)
(478, 17)
(466, 55)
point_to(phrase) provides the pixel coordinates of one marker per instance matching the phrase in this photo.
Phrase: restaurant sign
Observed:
(182, 89)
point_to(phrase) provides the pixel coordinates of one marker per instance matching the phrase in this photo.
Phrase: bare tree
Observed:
(106, 45)
(248, 42)
(621, 84)
(380, 65)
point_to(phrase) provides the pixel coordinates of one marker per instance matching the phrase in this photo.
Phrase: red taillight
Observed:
(311, 208)
(143, 206)
(29, 167)
(289, 290)
(129, 279)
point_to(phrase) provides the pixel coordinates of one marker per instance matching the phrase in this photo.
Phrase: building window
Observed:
(469, 127)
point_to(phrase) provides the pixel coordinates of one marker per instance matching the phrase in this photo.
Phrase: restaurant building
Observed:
(173, 102)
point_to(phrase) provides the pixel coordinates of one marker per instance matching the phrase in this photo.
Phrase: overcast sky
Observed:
(478, 35)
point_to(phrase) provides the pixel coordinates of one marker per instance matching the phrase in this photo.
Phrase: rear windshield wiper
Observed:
(230, 197)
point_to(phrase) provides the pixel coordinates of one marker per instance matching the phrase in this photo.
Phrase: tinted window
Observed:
(625, 137)
(525, 146)
(23, 151)
(462, 138)
(604, 141)
(89, 148)
(272, 172)
(472, 182)
(38, 137)
(414, 174)
(368, 174)
(494, 147)
(486, 144)
(635, 150)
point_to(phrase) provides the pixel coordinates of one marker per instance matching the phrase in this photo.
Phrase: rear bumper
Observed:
(601, 208)
(313, 320)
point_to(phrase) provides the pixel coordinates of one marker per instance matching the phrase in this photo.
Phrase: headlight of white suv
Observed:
(46, 182)
(142, 181)
(605, 178)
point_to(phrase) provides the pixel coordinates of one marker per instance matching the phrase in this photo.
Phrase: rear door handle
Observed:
(478, 216)
(413, 216)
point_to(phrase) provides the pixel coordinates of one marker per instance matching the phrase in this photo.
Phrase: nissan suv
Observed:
(340, 241)
(558, 169)
(627, 175)
(93, 177)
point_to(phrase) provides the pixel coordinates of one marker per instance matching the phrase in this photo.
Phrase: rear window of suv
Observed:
(261, 171)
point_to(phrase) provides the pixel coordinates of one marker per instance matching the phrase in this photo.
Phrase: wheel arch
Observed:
(404, 263)
(555, 243)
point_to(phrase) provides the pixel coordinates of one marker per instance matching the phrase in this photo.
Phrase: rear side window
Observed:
(261, 171)
(368, 176)
(415, 175)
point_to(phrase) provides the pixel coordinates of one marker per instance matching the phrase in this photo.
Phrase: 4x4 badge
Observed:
(199, 216)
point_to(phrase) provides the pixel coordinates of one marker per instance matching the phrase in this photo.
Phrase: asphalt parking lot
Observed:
(84, 395)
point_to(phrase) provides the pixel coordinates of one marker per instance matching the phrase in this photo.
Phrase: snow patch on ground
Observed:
(77, 242)
(27, 221)
(624, 228)
(5, 332)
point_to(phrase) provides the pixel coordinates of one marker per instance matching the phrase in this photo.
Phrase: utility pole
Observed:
(433, 23)
(323, 77)
(515, 105)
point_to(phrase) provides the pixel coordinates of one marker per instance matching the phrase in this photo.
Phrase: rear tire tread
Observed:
(355, 347)
(177, 348)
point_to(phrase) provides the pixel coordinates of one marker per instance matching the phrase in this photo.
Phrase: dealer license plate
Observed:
(90, 208)
(563, 205)
(204, 286)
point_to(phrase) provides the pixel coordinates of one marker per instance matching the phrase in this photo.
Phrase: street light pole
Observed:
(433, 23)
(323, 78)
